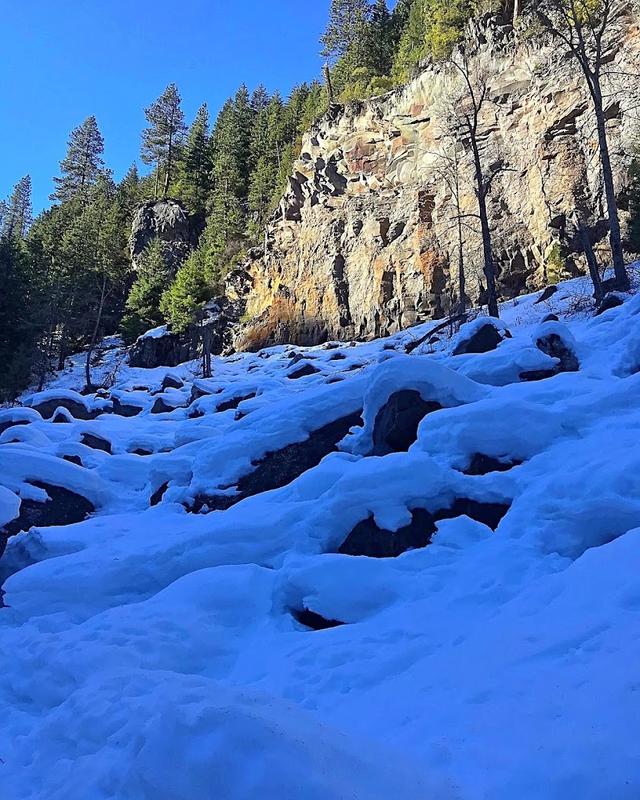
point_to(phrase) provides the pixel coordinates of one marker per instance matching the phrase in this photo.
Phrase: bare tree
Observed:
(467, 106)
(587, 30)
(448, 171)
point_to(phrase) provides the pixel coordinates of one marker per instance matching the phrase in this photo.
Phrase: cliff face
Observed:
(365, 239)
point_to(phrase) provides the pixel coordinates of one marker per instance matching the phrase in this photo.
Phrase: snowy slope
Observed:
(156, 652)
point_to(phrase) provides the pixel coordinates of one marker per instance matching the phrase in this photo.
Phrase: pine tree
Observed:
(143, 303)
(130, 193)
(346, 19)
(20, 303)
(194, 174)
(378, 40)
(82, 164)
(183, 302)
(162, 140)
(18, 214)
(412, 40)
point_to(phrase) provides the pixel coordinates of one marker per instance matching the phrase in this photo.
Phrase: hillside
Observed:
(353, 570)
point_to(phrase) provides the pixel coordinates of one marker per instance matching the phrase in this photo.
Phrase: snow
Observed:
(153, 653)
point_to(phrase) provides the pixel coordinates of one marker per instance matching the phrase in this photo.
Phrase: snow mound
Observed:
(206, 632)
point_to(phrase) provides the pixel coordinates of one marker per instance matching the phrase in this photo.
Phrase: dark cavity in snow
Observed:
(482, 464)
(314, 621)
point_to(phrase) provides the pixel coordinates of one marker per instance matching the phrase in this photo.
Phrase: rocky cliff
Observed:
(365, 238)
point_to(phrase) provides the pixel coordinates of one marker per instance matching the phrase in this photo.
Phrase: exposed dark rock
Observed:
(59, 417)
(140, 451)
(314, 621)
(368, 539)
(162, 407)
(482, 464)
(156, 497)
(551, 318)
(553, 345)
(488, 514)
(609, 301)
(337, 357)
(96, 442)
(73, 460)
(547, 294)
(170, 349)
(78, 410)
(396, 425)
(234, 402)
(171, 382)
(4, 426)
(125, 409)
(302, 371)
(63, 508)
(484, 339)
(280, 467)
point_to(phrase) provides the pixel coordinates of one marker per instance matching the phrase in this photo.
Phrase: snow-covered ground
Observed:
(154, 653)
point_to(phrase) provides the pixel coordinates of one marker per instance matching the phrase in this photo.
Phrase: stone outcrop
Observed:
(167, 221)
(167, 349)
(364, 241)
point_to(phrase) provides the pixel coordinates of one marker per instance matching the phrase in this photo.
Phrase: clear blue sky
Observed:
(63, 60)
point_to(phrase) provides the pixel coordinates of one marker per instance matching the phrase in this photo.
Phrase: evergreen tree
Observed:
(143, 303)
(20, 301)
(130, 192)
(346, 20)
(162, 140)
(183, 302)
(82, 164)
(194, 174)
(378, 40)
(18, 213)
(412, 40)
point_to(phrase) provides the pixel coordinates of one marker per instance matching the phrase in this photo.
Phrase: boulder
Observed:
(48, 407)
(167, 221)
(396, 425)
(483, 339)
(368, 539)
(280, 467)
(96, 442)
(63, 507)
(609, 301)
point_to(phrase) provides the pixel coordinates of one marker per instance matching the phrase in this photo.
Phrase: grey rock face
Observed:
(364, 241)
(167, 221)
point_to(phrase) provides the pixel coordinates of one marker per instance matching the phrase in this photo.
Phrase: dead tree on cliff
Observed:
(587, 31)
(468, 100)
(448, 171)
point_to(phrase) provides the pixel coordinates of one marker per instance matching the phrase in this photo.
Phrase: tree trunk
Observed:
(592, 263)
(94, 336)
(206, 352)
(487, 254)
(615, 238)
